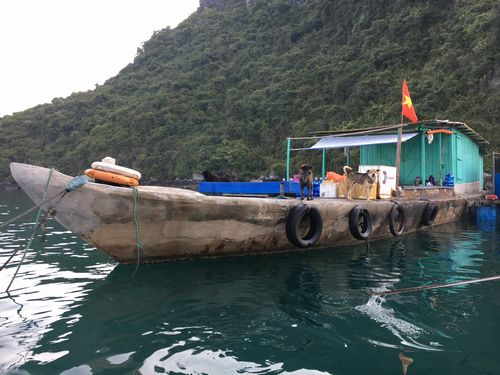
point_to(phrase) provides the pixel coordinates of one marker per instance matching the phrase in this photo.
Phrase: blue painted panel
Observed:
(254, 188)
(497, 184)
(294, 188)
(239, 187)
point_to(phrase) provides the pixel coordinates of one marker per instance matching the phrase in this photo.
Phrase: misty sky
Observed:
(52, 48)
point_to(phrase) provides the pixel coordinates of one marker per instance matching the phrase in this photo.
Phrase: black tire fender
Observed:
(360, 223)
(429, 214)
(295, 217)
(397, 211)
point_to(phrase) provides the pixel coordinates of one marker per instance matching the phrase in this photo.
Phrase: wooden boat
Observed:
(176, 223)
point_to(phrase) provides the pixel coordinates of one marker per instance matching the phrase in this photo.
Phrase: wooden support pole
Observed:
(398, 152)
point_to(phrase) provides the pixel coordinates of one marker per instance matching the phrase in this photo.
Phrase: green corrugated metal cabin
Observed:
(460, 153)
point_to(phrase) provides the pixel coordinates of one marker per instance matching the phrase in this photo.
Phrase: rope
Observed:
(138, 243)
(435, 286)
(62, 193)
(282, 197)
(59, 195)
(32, 234)
(15, 252)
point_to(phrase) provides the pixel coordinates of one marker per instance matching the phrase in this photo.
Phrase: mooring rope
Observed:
(435, 286)
(15, 252)
(138, 243)
(32, 234)
(74, 184)
(59, 195)
(29, 210)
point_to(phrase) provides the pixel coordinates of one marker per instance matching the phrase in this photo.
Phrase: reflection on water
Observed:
(72, 310)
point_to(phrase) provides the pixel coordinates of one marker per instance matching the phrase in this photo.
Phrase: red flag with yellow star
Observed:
(408, 110)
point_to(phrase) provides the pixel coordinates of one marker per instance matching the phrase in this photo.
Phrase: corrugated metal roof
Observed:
(361, 140)
(464, 128)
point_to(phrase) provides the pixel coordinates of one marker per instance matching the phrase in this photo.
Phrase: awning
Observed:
(360, 140)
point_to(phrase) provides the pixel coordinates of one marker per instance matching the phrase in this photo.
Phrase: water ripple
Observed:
(72, 310)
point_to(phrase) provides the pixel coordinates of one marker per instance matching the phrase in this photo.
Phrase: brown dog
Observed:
(306, 179)
(367, 180)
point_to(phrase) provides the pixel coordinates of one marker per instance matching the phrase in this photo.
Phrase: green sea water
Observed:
(72, 310)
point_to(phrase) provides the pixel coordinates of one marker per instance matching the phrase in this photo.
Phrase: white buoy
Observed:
(109, 160)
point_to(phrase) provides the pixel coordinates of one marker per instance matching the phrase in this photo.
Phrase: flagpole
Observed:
(407, 111)
(398, 152)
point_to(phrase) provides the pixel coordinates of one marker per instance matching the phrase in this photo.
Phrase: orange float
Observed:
(113, 178)
(335, 177)
(442, 131)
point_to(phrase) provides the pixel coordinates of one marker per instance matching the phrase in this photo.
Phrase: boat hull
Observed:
(182, 224)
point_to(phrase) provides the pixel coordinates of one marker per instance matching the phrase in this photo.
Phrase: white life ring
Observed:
(108, 167)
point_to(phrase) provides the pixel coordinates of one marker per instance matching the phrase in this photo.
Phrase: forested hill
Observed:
(225, 88)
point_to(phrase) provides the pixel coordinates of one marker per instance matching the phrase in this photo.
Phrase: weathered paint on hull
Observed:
(183, 224)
